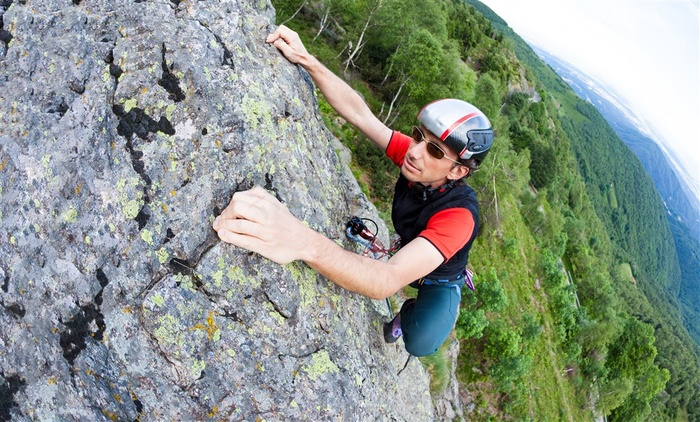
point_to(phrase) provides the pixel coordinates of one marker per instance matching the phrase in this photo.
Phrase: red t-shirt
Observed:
(448, 230)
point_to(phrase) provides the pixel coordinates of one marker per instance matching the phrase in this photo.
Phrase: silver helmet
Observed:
(463, 127)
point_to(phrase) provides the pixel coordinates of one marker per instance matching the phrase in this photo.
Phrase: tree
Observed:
(532, 327)
(545, 222)
(543, 164)
(503, 347)
(354, 50)
(487, 95)
(490, 293)
(501, 340)
(471, 323)
(595, 336)
(418, 62)
(633, 352)
(612, 393)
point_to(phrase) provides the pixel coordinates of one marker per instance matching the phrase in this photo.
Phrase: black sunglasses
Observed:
(433, 149)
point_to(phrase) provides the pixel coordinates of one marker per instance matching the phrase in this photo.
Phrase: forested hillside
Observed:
(683, 211)
(627, 203)
(574, 312)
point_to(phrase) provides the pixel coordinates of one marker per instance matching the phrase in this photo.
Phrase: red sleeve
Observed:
(398, 145)
(449, 230)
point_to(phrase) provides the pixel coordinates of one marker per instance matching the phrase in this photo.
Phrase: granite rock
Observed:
(125, 127)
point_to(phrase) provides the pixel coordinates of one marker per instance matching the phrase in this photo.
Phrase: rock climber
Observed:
(434, 211)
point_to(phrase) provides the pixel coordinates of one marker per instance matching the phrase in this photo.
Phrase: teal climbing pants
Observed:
(428, 321)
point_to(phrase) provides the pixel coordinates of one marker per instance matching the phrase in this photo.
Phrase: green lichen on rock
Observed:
(196, 367)
(157, 299)
(256, 109)
(238, 276)
(305, 280)
(128, 197)
(147, 236)
(162, 255)
(277, 317)
(168, 330)
(70, 216)
(131, 208)
(228, 334)
(218, 277)
(129, 104)
(321, 364)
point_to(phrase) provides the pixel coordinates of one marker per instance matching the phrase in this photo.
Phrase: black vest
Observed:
(413, 206)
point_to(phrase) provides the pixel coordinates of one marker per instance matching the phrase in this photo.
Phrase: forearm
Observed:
(257, 221)
(348, 103)
(368, 277)
(345, 100)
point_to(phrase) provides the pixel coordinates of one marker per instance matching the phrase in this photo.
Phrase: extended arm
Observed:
(255, 220)
(345, 100)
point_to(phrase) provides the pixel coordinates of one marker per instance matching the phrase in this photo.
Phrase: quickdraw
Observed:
(357, 230)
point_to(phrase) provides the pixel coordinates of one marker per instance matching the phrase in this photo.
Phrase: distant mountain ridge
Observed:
(679, 199)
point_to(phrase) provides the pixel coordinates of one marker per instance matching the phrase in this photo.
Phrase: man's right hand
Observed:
(257, 221)
(289, 43)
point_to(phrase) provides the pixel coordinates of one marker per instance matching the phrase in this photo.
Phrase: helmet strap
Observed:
(426, 192)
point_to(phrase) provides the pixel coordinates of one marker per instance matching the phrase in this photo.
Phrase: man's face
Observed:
(421, 166)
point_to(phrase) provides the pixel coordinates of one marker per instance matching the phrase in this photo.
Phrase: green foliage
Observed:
(613, 393)
(543, 165)
(491, 296)
(544, 221)
(625, 200)
(418, 73)
(689, 292)
(636, 407)
(470, 323)
(487, 95)
(532, 327)
(501, 341)
(392, 21)
(439, 368)
(503, 346)
(633, 351)
(631, 357)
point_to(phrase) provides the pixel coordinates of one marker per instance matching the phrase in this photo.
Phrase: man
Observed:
(434, 212)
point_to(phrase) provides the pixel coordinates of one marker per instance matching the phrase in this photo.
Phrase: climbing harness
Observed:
(466, 278)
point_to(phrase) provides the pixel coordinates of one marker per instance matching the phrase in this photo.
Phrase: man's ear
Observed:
(458, 172)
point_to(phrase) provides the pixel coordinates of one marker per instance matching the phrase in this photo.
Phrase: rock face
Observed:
(125, 127)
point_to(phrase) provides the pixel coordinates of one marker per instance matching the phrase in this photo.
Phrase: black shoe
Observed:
(392, 332)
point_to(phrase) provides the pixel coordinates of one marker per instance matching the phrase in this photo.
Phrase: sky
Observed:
(648, 51)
